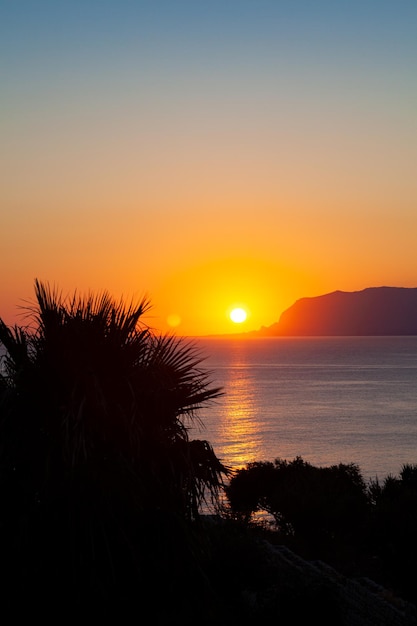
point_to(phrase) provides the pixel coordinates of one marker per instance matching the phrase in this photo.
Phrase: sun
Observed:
(238, 315)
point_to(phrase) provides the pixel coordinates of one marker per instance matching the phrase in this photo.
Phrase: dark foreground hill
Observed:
(373, 311)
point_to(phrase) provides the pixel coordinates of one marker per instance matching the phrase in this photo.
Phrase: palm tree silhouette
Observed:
(95, 455)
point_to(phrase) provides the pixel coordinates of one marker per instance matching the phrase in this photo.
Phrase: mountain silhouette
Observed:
(372, 311)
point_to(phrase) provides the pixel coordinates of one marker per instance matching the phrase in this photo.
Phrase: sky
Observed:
(207, 155)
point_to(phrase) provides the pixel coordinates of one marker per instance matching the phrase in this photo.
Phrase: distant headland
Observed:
(372, 311)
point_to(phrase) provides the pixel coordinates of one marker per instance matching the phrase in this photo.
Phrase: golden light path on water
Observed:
(238, 424)
(328, 400)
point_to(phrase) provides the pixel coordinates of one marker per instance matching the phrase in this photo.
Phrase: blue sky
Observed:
(144, 140)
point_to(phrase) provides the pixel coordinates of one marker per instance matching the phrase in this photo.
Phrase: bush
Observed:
(307, 501)
(99, 483)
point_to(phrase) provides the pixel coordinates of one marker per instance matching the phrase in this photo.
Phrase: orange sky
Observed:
(208, 157)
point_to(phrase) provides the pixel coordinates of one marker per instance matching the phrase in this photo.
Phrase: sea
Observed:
(328, 400)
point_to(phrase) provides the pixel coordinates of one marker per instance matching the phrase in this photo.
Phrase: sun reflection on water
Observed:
(241, 441)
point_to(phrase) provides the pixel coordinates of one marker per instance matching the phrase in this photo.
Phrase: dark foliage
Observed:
(100, 484)
(332, 514)
(309, 501)
(392, 535)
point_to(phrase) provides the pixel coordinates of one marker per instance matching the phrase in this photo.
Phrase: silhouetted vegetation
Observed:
(101, 488)
(100, 484)
(324, 503)
(331, 513)
(392, 535)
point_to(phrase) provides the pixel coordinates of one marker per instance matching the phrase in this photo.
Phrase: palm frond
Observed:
(92, 429)
(17, 344)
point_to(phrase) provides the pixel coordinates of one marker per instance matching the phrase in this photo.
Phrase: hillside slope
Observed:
(372, 311)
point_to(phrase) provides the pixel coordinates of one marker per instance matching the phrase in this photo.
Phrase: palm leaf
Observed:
(93, 435)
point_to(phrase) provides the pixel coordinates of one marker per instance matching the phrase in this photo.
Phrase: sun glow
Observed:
(238, 315)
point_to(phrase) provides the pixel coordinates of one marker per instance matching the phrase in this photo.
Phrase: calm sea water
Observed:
(328, 400)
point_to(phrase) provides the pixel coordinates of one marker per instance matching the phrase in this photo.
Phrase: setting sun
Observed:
(238, 315)
(249, 181)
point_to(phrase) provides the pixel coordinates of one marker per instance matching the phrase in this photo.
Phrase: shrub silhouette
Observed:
(99, 481)
(330, 513)
(313, 503)
(392, 534)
